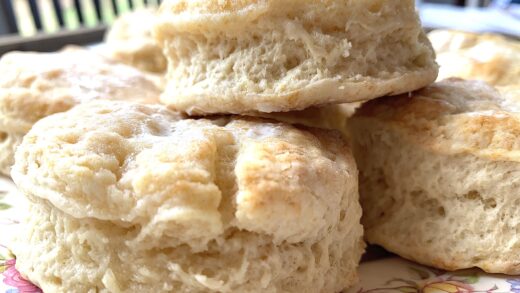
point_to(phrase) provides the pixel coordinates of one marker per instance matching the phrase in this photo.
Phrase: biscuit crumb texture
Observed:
(35, 85)
(278, 56)
(129, 198)
(440, 174)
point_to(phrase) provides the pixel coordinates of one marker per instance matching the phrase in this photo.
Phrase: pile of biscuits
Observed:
(215, 146)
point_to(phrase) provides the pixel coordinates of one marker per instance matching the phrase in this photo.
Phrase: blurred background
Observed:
(31, 16)
(498, 16)
(49, 24)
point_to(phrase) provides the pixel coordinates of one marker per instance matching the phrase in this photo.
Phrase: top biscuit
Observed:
(269, 56)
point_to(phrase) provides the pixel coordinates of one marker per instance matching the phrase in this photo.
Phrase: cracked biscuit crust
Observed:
(191, 183)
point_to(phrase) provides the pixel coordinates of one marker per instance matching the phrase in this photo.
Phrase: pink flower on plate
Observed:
(13, 278)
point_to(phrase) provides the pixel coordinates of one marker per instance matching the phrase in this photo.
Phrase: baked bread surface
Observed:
(492, 58)
(35, 85)
(144, 200)
(129, 40)
(271, 56)
(439, 174)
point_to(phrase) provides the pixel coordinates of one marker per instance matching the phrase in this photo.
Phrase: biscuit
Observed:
(278, 56)
(129, 40)
(491, 58)
(131, 198)
(440, 175)
(35, 85)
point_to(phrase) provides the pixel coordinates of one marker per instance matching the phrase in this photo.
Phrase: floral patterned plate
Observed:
(380, 272)
(396, 275)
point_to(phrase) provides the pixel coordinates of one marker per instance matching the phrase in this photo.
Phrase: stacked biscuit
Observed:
(128, 197)
(439, 175)
(439, 169)
(138, 199)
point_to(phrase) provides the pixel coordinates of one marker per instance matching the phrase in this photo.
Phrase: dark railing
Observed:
(460, 2)
(7, 18)
(8, 13)
(10, 38)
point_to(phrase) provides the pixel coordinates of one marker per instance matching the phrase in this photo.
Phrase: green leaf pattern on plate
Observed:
(3, 205)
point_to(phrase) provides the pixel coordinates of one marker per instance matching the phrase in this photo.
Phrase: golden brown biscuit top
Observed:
(137, 164)
(450, 40)
(34, 85)
(488, 57)
(454, 116)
